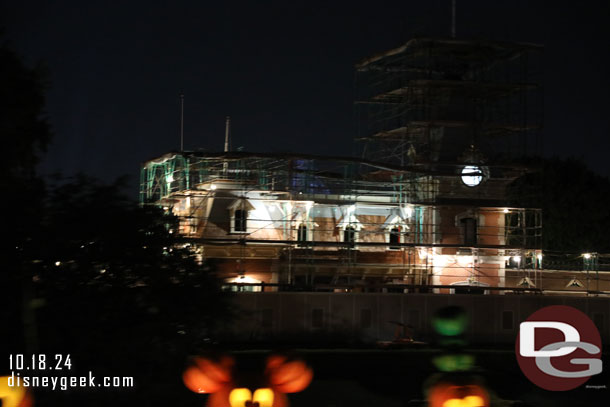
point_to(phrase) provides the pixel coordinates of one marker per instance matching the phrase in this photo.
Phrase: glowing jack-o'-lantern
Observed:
(447, 394)
(13, 396)
(244, 397)
(208, 376)
(218, 378)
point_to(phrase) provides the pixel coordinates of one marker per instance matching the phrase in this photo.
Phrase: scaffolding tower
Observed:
(444, 124)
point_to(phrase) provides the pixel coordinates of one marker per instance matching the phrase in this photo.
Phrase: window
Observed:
(507, 320)
(267, 318)
(469, 229)
(240, 220)
(395, 238)
(349, 236)
(317, 318)
(302, 234)
(366, 318)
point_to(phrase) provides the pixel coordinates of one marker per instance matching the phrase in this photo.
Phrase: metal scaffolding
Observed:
(439, 100)
(443, 123)
(307, 246)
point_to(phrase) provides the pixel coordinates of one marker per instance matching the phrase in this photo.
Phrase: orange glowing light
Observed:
(445, 394)
(289, 377)
(207, 376)
(282, 376)
(13, 396)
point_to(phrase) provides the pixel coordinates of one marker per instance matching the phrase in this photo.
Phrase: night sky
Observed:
(282, 70)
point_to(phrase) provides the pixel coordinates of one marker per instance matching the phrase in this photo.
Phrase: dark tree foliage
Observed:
(118, 294)
(88, 272)
(574, 201)
(23, 126)
(25, 136)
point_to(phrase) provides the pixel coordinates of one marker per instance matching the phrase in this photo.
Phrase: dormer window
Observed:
(350, 226)
(395, 238)
(349, 236)
(396, 231)
(239, 212)
(302, 234)
(240, 221)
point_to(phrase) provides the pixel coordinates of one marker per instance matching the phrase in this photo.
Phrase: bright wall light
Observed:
(464, 260)
(587, 256)
(244, 279)
(439, 260)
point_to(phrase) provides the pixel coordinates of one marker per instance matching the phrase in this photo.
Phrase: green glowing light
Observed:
(454, 362)
(450, 321)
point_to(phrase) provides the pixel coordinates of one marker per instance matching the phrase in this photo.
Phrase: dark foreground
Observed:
(346, 377)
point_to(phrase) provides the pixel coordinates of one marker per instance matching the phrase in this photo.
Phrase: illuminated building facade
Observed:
(425, 208)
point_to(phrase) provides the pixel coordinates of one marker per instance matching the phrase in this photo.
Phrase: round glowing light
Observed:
(264, 397)
(587, 256)
(213, 187)
(58, 263)
(450, 321)
(240, 397)
(505, 210)
(472, 175)
(517, 259)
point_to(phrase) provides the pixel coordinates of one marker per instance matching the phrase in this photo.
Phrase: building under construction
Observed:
(443, 124)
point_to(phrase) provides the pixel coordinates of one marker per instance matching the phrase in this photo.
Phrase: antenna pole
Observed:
(182, 122)
(227, 133)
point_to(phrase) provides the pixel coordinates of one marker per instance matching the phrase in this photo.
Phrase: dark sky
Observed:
(282, 70)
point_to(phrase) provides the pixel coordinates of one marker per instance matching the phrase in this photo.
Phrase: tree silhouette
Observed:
(120, 293)
(574, 202)
(25, 136)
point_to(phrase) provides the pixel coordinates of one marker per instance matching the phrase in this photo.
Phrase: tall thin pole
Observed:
(453, 18)
(182, 122)
(227, 133)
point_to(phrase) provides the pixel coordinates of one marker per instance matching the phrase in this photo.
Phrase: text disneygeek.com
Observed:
(69, 382)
